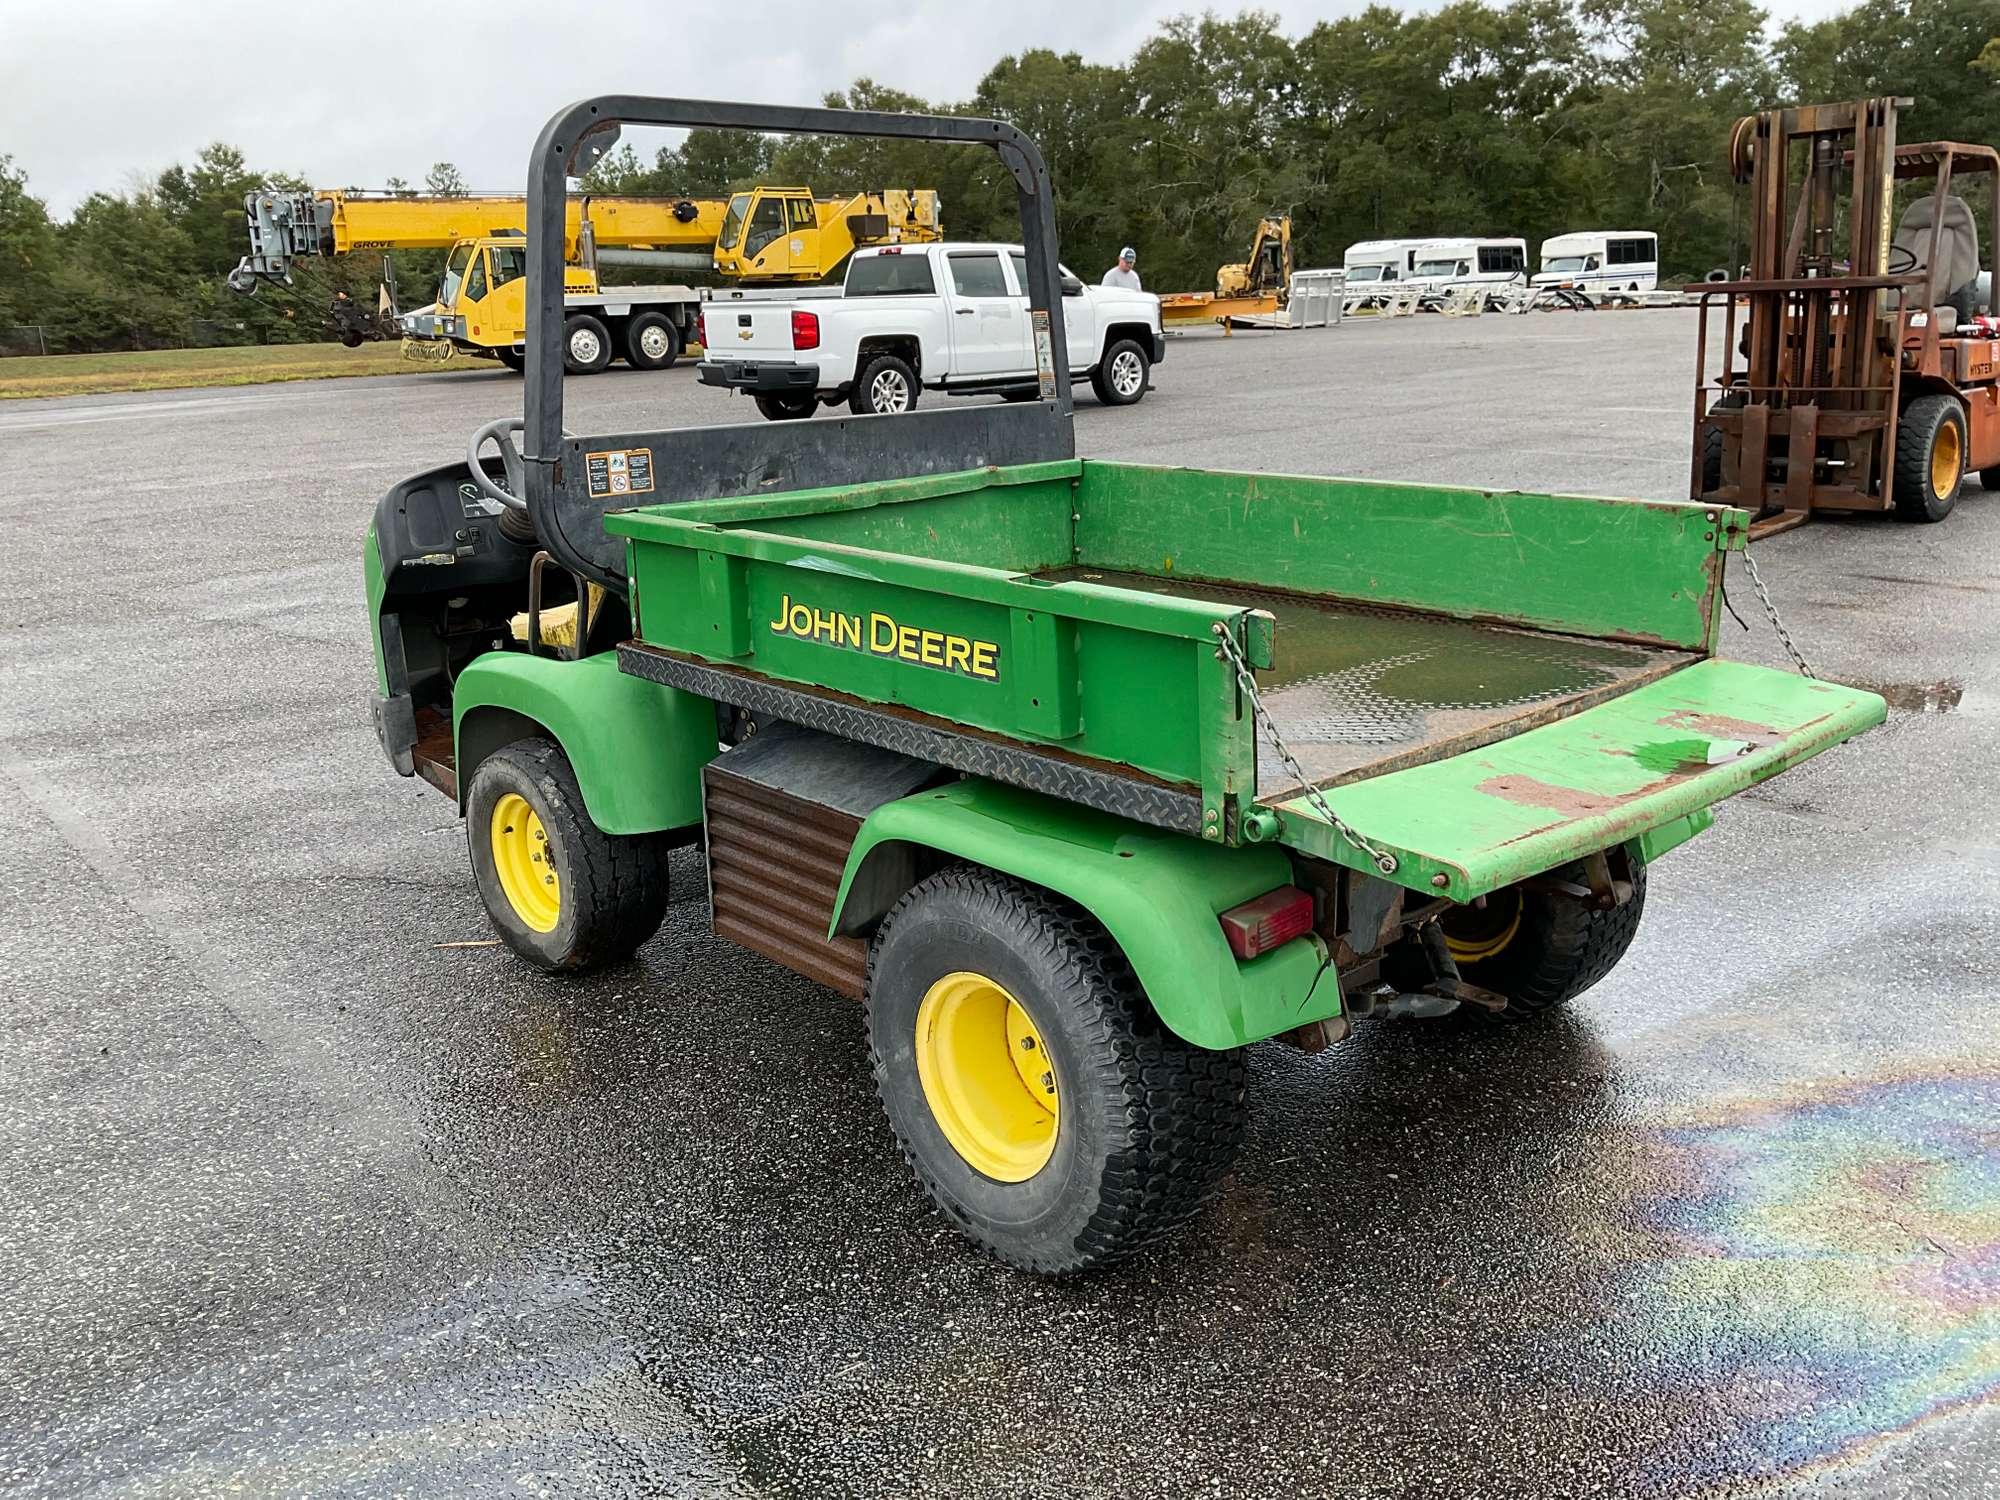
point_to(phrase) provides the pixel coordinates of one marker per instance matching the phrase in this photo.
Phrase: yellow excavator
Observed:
(768, 235)
(1253, 288)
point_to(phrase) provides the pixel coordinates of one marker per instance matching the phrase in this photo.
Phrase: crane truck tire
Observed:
(586, 345)
(1930, 458)
(560, 892)
(1120, 376)
(651, 342)
(886, 387)
(1035, 1095)
(1539, 947)
(514, 359)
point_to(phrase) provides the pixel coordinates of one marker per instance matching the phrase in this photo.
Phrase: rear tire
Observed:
(786, 408)
(586, 345)
(1121, 375)
(1125, 1134)
(560, 891)
(1930, 450)
(1540, 948)
(652, 342)
(886, 387)
(1990, 478)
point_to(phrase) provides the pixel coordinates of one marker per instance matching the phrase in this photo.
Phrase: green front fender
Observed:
(637, 747)
(1157, 893)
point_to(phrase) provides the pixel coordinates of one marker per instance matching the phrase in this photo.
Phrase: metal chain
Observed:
(1247, 681)
(1784, 635)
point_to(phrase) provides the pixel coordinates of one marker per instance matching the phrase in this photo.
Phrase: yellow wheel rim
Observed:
(525, 863)
(1947, 459)
(1484, 933)
(987, 1077)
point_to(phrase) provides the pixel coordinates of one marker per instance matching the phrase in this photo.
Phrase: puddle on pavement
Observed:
(1832, 1255)
(1940, 697)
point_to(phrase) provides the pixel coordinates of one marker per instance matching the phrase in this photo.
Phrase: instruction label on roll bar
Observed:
(1045, 354)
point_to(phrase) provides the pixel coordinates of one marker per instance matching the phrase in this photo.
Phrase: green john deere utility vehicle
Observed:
(1081, 776)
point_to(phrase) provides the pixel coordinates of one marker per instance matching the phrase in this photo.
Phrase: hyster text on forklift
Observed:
(1082, 777)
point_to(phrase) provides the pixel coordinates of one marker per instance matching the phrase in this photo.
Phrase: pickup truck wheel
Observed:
(887, 386)
(1930, 458)
(1120, 377)
(1539, 948)
(586, 345)
(1034, 1093)
(786, 408)
(651, 342)
(560, 891)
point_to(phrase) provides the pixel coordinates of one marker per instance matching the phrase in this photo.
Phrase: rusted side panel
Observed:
(774, 863)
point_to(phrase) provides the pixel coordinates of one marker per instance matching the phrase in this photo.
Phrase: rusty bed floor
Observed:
(1358, 690)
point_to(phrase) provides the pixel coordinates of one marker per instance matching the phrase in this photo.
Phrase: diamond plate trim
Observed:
(1106, 791)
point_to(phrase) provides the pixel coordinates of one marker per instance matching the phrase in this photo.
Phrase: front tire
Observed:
(586, 345)
(786, 408)
(651, 342)
(560, 891)
(1121, 375)
(1930, 458)
(1036, 1096)
(886, 387)
(1539, 948)
(514, 359)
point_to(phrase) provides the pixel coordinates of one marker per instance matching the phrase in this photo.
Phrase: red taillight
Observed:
(701, 329)
(805, 330)
(1270, 921)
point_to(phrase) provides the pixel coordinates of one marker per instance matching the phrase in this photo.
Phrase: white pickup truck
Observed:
(950, 318)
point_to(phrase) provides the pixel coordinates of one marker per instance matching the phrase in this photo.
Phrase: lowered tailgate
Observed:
(1546, 797)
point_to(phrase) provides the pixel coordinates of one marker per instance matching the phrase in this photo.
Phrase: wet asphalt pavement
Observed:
(301, 1194)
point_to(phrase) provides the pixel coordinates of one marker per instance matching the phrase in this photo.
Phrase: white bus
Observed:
(1444, 264)
(1370, 263)
(1601, 262)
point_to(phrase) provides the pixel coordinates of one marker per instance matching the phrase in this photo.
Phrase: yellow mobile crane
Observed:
(772, 235)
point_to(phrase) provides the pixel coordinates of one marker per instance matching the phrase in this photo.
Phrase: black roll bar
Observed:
(576, 135)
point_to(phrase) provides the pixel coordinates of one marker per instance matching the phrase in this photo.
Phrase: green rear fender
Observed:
(637, 747)
(1157, 893)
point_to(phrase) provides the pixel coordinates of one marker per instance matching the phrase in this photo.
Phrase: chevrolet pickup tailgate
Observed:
(750, 330)
(1635, 765)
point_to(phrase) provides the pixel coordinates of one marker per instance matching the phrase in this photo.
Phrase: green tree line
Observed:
(1528, 118)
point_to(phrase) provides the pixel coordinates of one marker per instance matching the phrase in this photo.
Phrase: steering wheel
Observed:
(501, 434)
(1909, 259)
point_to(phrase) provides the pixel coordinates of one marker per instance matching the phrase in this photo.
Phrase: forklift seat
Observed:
(1958, 249)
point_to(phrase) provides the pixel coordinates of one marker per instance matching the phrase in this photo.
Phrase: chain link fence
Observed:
(17, 339)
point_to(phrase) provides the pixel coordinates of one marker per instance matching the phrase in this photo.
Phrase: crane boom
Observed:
(287, 227)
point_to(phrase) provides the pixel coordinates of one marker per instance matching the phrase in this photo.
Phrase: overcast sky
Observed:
(96, 92)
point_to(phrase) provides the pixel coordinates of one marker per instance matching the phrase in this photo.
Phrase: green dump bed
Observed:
(1484, 684)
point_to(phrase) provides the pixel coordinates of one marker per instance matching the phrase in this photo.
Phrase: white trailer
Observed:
(1602, 262)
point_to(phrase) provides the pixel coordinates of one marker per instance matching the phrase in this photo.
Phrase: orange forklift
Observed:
(1858, 366)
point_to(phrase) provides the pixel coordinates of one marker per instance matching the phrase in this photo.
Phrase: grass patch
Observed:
(176, 369)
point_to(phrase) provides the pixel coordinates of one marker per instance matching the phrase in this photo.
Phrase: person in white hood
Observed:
(1125, 273)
